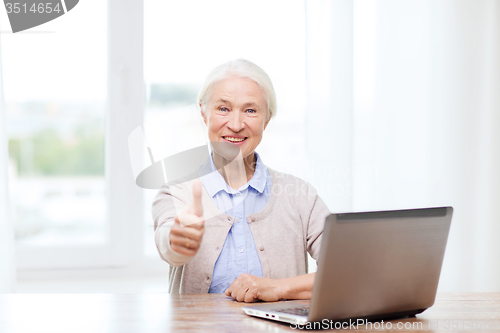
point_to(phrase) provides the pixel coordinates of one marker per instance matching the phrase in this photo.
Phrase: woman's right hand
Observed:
(188, 228)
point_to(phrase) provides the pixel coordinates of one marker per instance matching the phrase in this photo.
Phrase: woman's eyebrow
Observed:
(223, 101)
(250, 104)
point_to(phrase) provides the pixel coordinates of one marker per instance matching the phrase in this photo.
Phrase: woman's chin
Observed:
(227, 150)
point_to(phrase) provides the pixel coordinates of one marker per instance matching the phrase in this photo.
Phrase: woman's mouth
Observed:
(233, 139)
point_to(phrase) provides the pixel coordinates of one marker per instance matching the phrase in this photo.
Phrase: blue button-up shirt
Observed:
(238, 254)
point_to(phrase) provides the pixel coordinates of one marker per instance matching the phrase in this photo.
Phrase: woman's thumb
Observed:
(197, 206)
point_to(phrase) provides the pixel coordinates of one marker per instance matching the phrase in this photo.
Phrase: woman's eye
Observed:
(251, 111)
(223, 109)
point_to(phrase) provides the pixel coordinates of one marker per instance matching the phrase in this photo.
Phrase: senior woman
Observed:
(245, 229)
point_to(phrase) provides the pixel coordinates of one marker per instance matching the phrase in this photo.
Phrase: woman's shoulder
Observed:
(294, 194)
(179, 190)
(289, 182)
(283, 177)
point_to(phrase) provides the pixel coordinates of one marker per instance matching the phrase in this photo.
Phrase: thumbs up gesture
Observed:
(188, 228)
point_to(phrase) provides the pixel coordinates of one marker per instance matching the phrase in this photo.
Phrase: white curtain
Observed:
(329, 110)
(425, 122)
(7, 270)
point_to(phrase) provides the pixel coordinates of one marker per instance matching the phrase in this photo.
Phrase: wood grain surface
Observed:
(71, 313)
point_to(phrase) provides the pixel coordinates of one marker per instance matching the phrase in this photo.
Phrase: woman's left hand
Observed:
(249, 288)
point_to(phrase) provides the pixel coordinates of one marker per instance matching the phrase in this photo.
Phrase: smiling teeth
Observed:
(228, 138)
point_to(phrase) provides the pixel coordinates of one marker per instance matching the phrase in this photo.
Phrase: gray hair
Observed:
(240, 68)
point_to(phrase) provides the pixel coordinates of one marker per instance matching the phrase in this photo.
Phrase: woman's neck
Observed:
(237, 172)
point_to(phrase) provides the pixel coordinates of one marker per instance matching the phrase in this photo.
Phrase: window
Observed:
(55, 94)
(185, 40)
(65, 83)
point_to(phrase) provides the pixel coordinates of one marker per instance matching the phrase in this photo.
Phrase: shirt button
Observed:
(261, 248)
(237, 194)
(241, 250)
(238, 220)
(229, 219)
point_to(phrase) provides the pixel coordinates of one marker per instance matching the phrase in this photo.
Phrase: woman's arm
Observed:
(178, 238)
(250, 288)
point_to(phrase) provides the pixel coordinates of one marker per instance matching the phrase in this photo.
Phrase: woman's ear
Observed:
(267, 122)
(203, 115)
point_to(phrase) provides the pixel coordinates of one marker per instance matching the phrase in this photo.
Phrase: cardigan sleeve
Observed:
(166, 206)
(316, 222)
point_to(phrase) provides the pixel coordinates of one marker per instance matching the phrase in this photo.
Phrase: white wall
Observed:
(425, 119)
(432, 128)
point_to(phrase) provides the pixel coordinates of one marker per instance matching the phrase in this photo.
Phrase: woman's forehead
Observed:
(228, 100)
(237, 90)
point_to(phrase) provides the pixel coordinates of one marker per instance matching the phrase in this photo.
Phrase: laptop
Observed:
(372, 266)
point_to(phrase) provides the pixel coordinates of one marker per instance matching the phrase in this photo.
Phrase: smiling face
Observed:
(236, 115)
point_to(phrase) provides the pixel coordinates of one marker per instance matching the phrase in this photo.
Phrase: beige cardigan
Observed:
(288, 227)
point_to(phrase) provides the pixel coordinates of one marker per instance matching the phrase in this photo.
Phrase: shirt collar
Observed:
(214, 182)
(259, 178)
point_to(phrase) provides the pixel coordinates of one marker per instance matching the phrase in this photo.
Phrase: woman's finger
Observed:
(196, 205)
(240, 296)
(182, 250)
(185, 242)
(192, 233)
(187, 219)
(239, 285)
(251, 295)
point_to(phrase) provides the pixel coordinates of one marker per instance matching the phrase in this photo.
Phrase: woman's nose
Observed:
(236, 123)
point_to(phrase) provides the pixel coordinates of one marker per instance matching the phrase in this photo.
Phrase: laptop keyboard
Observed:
(303, 311)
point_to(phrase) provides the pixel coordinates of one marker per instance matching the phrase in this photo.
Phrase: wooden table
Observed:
(147, 313)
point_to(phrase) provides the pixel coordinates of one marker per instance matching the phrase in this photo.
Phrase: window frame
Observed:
(125, 104)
